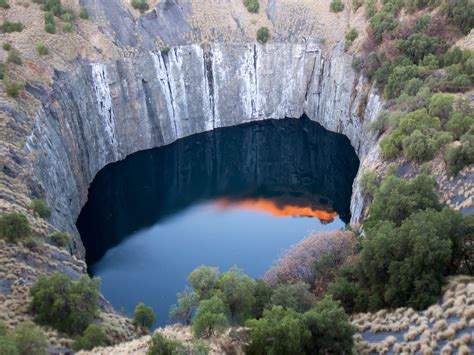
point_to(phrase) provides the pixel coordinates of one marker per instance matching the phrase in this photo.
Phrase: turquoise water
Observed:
(235, 196)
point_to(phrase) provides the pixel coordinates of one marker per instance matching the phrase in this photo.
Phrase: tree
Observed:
(238, 294)
(397, 199)
(460, 13)
(143, 316)
(93, 336)
(348, 292)
(204, 280)
(418, 45)
(369, 182)
(441, 105)
(263, 35)
(294, 296)
(419, 147)
(210, 317)
(184, 310)
(398, 79)
(383, 22)
(263, 294)
(14, 226)
(159, 345)
(30, 339)
(331, 331)
(41, 208)
(279, 331)
(66, 305)
(459, 124)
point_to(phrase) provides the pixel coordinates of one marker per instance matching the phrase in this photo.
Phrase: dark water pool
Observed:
(234, 196)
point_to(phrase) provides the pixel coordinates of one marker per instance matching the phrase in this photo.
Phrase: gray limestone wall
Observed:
(101, 112)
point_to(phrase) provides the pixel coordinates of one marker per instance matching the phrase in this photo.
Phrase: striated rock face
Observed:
(102, 112)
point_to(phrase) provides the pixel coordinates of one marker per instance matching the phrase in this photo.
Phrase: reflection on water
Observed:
(234, 196)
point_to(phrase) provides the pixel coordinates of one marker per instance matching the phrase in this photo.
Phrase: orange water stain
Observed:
(270, 206)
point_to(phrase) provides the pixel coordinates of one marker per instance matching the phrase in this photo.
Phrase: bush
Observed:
(30, 339)
(204, 280)
(66, 305)
(370, 8)
(68, 27)
(460, 155)
(459, 124)
(397, 199)
(351, 35)
(279, 331)
(8, 345)
(252, 6)
(210, 317)
(237, 292)
(67, 16)
(441, 105)
(14, 227)
(390, 146)
(93, 336)
(159, 345)
(369, 182)
(263, 35)
(348, 292)
(42, 49)
(53, 6)
(356, 4)
(336, 6)
(143, 316)
(419, 45)
(184, 310)
(7, 46)
(383, 22)
(50, 28)
(83, 13)
(8, 26)
(2, 70)
(14, 57)
(293, 296)
(460, 13)
(398, 79)
(41, 208)
(4, 4)
(61, 239)
(141, 5)
(419, 147)
(13, 87)
(263, 294)
(331, 331)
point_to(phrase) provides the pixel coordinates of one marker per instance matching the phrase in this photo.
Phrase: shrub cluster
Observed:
(8, 26)
(27, 338)
(93, 336)
(14, 227)
(4, 4)
(252, 5)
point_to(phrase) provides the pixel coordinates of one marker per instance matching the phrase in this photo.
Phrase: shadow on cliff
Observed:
(289, 161)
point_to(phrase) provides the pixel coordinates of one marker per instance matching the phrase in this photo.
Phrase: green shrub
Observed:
(61, 239)
(263, 294)
(210, 317)
(53, 6)
(370, 8)
(7, 46)
(459, 124)
(383, 22)
(460, 13)
(418, 147)
(351, 35)
(159, 345)
(441, 105)
(4, 4)
(460, 155)
(336, 6)
(184, 310)
(345, 289)
(204, 280)
(143, 316)
(237, 292)
(49, 17)
(390, 146)
(356, 4)
(8, 26)
(141, 5)
(419, 45)
(83, 13)
(40, 207)
(42, 49)
(398, 79)
(93, 336)
(14, 227)
(50, 28)
(285, 328)
(14, 57)
(165, 50)
(3, 69)
(369, 182)
(331, 331)
(30, 339)
(263, 35)
(358, 63)
(68, 27)
(67, 17)
(8, 345)
(66, 305)
(13, 87)
(252, 5)
(293, 296)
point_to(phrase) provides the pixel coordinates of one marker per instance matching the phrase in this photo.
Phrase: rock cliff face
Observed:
(101, 112)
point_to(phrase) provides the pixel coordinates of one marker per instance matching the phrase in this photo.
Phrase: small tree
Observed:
(184, 310)
(210, 317)
(336, 6)
(30, 339)
(93, 336)
(263, 35)
(159, 345)
(143, 316)
(204, 280)
(14, 226)
(41, 208)
(441, 106)
(293, 296)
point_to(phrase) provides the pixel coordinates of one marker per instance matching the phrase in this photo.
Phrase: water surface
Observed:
(233, 196)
